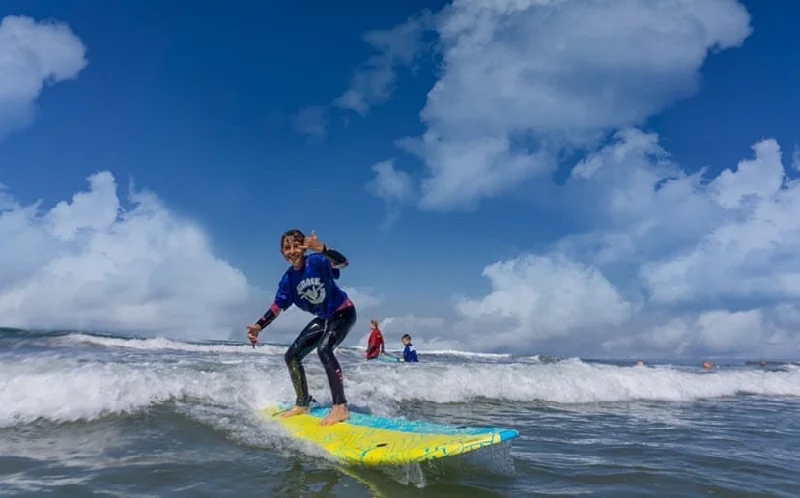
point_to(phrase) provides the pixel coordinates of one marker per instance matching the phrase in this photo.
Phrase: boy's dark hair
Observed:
(293, 233)
(406, 336)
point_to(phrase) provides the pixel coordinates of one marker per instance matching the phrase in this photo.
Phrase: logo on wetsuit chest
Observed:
(312, 290)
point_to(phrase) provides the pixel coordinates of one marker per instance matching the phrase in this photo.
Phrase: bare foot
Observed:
(338, 414)
(297, 410)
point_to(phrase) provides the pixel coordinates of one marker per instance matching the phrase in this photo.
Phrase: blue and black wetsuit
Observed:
(410, 353)
(313, 288)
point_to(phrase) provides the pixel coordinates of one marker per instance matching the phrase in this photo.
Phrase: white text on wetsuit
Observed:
(312, 290)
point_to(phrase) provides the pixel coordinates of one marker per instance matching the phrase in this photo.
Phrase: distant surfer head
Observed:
(293, 247)
(373, 324)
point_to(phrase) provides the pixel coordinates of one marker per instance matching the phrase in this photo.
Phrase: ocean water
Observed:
(89, 415)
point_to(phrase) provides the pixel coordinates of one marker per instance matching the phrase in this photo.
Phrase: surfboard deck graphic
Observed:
(376, 441)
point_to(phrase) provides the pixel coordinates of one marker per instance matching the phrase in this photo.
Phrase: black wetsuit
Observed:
(325, 335)
(313, 288)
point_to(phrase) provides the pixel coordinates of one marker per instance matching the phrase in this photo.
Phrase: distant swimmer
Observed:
(309, 283)
(707, 365)
(375, 346)
(409, 353)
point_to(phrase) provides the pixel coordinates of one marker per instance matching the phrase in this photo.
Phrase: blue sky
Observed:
(229, 115)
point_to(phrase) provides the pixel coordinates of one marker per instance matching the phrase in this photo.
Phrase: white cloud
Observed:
(33, 54)
(722, 255)
(374, 81)
(673, 264)
(751, 252)
(730, 332)
(544, 297)
(523, 80)
(391, 185)
(770, 331)
(91, 264)
(312, 121)
(754, 179)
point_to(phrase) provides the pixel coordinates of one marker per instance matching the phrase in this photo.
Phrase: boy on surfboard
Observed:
(309, 283)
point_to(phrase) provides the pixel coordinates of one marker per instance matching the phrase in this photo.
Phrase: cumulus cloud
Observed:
(522, 81)
(33, 54)
(754, 332)
(92, 264)
(544, 297)
(751, 250)
(722, 254)
(673, 263)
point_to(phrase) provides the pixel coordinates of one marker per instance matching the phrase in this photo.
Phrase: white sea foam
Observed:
(62, 388)
(160, 343)
(570, 381)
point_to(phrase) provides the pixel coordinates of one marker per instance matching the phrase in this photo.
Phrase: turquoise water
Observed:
(83, 414)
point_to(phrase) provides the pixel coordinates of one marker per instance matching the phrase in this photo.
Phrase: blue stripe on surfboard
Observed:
(417, 427)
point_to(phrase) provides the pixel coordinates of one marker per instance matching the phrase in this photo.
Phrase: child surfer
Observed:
(309, 283)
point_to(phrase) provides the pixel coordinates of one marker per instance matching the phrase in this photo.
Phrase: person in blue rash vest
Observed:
(309, 283)
(409, 353)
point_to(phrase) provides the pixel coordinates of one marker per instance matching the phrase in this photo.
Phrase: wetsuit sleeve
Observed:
(336, 260)
(283, 300)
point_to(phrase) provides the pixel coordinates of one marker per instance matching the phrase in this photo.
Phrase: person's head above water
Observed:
(293, 247)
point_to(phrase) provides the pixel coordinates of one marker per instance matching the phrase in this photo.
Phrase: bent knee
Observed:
(290, 356)
(325, 349)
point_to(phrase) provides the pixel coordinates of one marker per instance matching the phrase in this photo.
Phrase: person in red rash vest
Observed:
(375, 346)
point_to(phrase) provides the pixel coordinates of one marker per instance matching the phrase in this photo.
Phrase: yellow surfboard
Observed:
(376, 441)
